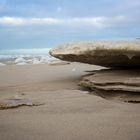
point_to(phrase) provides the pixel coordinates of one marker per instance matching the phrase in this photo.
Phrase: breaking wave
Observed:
(26, 57)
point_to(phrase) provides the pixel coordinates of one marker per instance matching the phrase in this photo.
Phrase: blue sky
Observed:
(48, 23)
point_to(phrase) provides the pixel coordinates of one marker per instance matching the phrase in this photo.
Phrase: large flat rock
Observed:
(108, 54)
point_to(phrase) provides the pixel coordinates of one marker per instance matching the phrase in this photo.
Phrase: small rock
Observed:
(15, 102)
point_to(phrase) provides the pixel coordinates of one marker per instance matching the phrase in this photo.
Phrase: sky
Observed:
(26, 24)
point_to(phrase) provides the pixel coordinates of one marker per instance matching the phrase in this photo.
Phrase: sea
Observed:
(26, 57)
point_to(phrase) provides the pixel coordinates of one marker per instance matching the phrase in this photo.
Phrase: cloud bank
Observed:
(97, 22)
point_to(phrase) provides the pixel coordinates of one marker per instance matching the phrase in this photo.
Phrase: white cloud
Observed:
(97, 22)
(13, 21)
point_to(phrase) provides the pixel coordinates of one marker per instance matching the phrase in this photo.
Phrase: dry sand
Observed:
(68, 113)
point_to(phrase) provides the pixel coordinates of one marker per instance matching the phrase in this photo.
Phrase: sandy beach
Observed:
(68, 113)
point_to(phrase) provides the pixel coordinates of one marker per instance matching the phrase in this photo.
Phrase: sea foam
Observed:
(26, 57)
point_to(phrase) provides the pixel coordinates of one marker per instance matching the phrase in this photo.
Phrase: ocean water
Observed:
(26, 57)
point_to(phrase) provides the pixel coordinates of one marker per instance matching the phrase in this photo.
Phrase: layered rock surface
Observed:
(123, 84)
(108, 54)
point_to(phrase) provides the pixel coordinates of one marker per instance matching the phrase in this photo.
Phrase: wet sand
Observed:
(68, 113)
